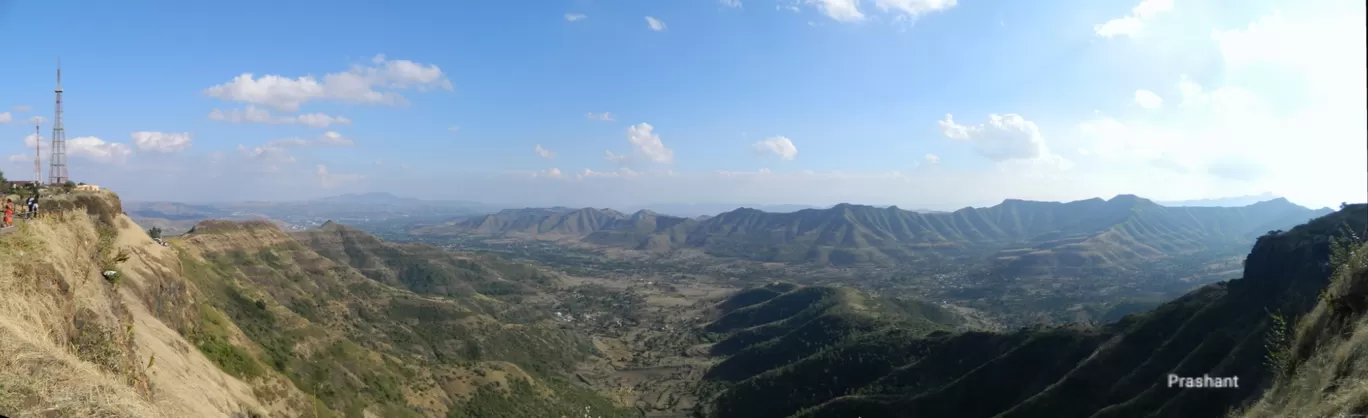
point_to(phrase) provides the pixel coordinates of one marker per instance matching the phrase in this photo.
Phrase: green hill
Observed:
(422, 268)
(1115, 370)
(357, 340)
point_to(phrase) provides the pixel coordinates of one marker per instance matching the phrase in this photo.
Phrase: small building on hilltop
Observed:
(21, 184)
(87, 188)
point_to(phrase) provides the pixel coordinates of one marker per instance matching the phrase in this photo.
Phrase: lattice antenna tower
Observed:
(58, 171)
(37, 153)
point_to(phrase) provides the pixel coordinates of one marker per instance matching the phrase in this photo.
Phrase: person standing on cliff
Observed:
(33, 204)
(9, 213)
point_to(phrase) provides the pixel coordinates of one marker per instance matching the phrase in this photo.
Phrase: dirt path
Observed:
(11, 229)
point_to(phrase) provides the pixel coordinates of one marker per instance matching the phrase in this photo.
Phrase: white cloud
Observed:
(20, 158)
(1147, 99)
(605, 116)
(553, 172)
(269, 153)
(614, 158)
(571, 17)
(1004, 137)
(275, 153)
(330, 180)
(96, 149)
(161, 141)
(37, 120)
(912, 9)
(622, 172)
(1134, 23)
(655, 24)
(329, 138)
(334, 139)
(730, 3)
(840, 10)
(454, 128)
(359, 84)
(252, 114)
(778, 145)
(5, 117)
(21, 108)
(648, 144)
(931, 159)
(543, 152)
(31, 140)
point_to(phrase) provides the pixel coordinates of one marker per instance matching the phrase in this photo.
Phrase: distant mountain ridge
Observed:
(1224, 201)
(1075, 234)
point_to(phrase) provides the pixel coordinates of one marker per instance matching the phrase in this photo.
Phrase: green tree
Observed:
(155, 232)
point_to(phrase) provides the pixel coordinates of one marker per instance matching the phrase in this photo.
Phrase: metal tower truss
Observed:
(58, 171)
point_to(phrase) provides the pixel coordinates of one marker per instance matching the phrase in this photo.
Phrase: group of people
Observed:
(32, 204)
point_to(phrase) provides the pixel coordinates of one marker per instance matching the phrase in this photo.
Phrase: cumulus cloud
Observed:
(605, 116)
(1147, 99)
(1134, 23)
(329, 138)
(655, 24)
(97, 150)
(912, 9)
(1002, 138)
(931, 159)
(360, 84)
(730, 3)
(330, 180)
(161, 141)
(572, 17)
(778, 145)
(274, 154)
(6, 117)
(334, 139)
(647, 144)
(839, 10)
(543, 152)
(252, 114)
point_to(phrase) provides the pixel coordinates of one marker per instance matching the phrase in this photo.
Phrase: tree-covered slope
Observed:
(1115, 370)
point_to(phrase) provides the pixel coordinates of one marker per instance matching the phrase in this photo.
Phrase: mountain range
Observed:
(1020, 235)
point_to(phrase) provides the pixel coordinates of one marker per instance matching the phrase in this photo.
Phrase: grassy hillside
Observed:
(76, 342)
(361, 345)
(421, 268)
(241, 319)
(1116, 370)
(1317, 359)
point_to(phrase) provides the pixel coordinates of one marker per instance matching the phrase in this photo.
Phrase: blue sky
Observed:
(750, 101)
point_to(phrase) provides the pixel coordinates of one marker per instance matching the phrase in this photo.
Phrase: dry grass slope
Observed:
(1327, 361)
(75, 343)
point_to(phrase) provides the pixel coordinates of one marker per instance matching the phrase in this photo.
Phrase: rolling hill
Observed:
(242, 319)
(1027, 236)
(1120, 369)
